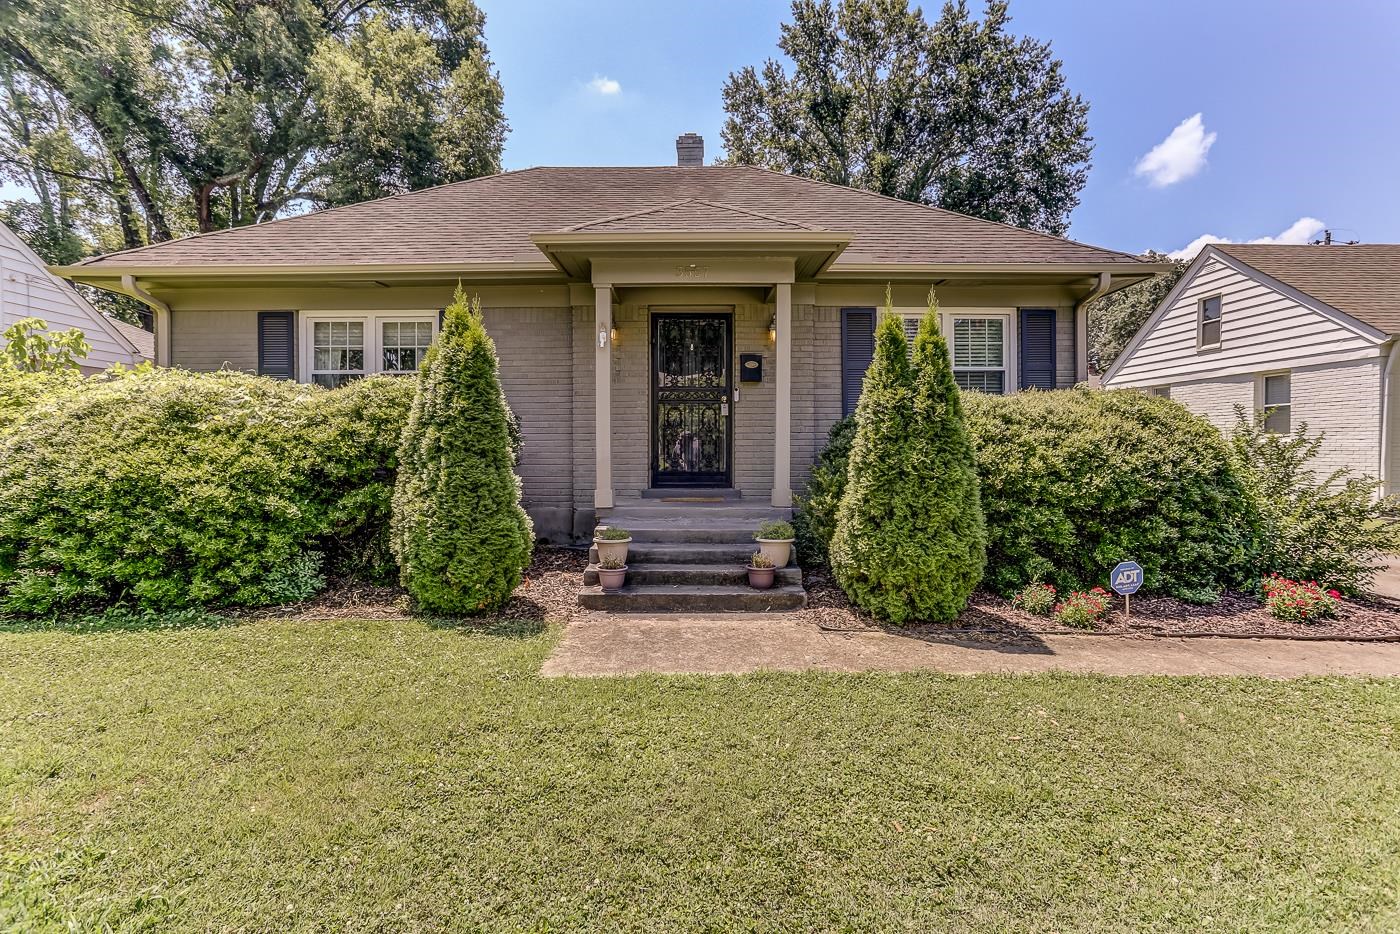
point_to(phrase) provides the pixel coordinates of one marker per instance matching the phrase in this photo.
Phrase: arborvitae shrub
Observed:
(815, 521)
(910, 542)
(459, 532)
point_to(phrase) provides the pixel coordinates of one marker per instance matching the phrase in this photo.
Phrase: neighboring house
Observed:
(658, 328)
(29, 290)
(1302, 333)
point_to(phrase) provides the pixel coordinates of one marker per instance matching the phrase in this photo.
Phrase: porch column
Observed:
(602, 397)
(782, 415)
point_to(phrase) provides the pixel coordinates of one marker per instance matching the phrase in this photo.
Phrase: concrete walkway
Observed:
(599, 644)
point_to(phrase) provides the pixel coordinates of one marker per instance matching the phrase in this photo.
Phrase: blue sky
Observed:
(1299, 101)
(1299, 120)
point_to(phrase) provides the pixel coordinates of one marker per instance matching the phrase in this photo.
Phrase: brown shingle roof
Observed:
(489, 220)
(689, 216)
(1361, 280)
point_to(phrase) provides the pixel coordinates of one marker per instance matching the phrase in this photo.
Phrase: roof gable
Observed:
(490, 220)
(1360, 280)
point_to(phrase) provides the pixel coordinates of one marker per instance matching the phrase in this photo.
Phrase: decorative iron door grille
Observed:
(690, 392)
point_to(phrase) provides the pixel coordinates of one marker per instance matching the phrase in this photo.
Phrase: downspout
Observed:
(1390, 356)
(1081, 327)
(160, 318)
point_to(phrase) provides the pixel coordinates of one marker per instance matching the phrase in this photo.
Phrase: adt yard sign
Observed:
(1127, 578)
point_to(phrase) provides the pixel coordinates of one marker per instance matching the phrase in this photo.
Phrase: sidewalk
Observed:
(599, 644)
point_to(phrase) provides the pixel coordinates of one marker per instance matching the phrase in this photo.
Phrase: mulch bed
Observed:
(1236, 614)
(549, 592)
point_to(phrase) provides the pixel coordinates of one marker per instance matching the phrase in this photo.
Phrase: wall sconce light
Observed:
(612, 332)
(773, 329)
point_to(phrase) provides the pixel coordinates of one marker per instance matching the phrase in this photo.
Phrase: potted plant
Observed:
(611, 543)
(612, 573)
(775, 541)
(761, 571)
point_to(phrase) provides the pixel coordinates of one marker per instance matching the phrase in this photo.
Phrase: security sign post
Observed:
(1127, 579)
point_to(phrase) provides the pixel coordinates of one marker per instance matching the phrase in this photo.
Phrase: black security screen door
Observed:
(690, 400)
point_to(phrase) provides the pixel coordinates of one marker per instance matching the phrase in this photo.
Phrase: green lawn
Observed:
(389, 775)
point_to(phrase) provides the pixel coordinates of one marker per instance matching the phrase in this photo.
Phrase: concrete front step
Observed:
(727, 575)
(693, 598)
(684, 552)
(690, 531)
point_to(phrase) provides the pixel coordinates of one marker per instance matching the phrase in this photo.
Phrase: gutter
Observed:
(1390, 355)
(1081, 326)
(161, 317)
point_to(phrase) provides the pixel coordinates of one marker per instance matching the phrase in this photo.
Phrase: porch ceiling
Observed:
(574, 251)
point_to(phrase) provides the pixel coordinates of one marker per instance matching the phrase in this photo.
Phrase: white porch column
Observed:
(782, 414)
(602, 397)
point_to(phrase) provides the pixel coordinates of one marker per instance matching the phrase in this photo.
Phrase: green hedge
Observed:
(163, 488)
(1074, 481)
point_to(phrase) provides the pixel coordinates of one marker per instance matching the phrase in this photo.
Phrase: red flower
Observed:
(1335, 595)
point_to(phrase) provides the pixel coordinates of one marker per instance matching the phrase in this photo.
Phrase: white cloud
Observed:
(604, 86)
(1303, 230)
(1179, 156)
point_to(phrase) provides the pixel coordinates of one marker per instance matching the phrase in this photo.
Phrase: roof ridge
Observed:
(622, 217)
(210, 234)
(938, 210)
(759, 214)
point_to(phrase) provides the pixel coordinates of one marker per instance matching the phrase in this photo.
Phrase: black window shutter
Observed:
(277, 344)
(1037, 348)
(857, 350)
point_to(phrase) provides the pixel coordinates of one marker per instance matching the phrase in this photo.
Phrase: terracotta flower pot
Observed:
(614, 548)
(612, 578)
(777, 550)
(761, 578)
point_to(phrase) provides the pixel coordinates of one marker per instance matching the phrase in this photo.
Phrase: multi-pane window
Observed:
(1209, 310)
(979, 354)
(403, 344)
(978, 348)
(337, 352)
(1278, 403)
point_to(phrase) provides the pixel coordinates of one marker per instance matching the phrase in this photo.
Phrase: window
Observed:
(403, 344)
(979, 354)
(337, 352)
(978, 348)
(1277, 398)
(1208, 333)
(1161, 392)
(340, 347)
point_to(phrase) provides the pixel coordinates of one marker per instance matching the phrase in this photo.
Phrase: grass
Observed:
(395, 776)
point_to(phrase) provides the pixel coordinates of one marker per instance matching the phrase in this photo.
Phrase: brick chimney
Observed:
(690, 149)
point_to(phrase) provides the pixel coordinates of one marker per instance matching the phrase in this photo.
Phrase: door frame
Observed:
(724, 313)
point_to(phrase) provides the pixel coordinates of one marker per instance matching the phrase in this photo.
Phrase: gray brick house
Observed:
(661, 330)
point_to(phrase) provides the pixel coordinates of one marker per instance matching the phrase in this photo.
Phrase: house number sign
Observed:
(692, 271)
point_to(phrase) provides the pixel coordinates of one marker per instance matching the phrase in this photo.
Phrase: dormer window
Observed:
(1208, 326)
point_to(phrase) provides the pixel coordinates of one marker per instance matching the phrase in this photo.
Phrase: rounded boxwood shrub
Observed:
(462, 539)
(1075, 481)
(910, 541)
(163, 489)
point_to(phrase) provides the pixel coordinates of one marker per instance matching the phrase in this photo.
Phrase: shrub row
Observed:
(1072, 482)
(165, 489)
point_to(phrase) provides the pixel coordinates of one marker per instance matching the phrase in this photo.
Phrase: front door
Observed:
(690, 393)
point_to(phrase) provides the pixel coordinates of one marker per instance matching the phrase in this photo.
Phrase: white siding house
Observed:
(29, 290)
(1302, 332)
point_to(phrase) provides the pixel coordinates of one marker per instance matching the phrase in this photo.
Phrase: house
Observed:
(676, 332)
(1301, 333)
(29, 290)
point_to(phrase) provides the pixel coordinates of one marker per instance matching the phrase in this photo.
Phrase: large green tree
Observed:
(958, 113)
(166, 117)
(1115, 318)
